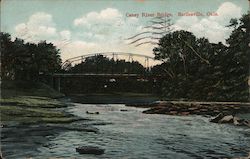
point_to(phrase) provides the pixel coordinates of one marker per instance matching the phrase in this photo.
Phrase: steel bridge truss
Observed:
(147, 62)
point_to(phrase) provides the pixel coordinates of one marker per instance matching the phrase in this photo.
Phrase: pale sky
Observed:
(79, 27)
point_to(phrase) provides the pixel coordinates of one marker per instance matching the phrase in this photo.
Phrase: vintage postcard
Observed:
(125, 79)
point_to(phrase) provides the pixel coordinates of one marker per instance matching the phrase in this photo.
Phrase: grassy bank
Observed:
(30, 103)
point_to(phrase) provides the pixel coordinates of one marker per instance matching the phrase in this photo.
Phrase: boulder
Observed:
(227, 119)
(90, 150)
(241, 122)
(217, 118)
(246, 123)
(237, 121)
(87, 112)
(123, 110)
(220, 118)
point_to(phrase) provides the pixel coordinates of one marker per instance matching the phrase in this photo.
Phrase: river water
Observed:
(133, 135)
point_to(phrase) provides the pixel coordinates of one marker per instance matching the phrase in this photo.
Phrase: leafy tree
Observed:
(177, 50)
(47, 58)
(25, 61)
(7, 57)
(201, 70)
(237, 62)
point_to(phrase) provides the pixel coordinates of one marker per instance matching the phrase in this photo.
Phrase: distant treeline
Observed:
(102, 64)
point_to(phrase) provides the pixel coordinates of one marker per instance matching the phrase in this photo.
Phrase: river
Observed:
(131, 134)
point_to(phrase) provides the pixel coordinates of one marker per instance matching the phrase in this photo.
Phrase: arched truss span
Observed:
(130, 56)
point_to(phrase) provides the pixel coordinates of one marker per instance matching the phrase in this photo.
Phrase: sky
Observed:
(79, 27)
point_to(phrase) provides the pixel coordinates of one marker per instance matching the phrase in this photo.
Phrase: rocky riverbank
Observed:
(194, 108)
(230, 119)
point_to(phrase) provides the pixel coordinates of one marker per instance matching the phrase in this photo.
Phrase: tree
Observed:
(47, 58)
(7, 57)
(178, 51)
(202, 70)
(237, 63)
(24, 61)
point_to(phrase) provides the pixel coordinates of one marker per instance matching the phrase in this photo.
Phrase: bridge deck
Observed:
(101, 74)
(94, 74)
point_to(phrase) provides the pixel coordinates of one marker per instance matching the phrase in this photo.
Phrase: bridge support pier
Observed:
(57, 84)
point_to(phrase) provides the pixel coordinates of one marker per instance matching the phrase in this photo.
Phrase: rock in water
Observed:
(123, 110)
(90, 150)
(220, 118)
(87, 112)
(227, 119)
(246, 123)
(217, 118)
(237, 121)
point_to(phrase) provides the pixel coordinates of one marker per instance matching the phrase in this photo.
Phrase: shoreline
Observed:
(24, 102)
(193, 108)
(35, 119)
(113, 98)
(34, 112)
(167, 107)
(30, 110)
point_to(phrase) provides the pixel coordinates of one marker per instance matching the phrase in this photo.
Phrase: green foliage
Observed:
(25, 61)
(102, 64)
(200, 70)
(180, 53)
